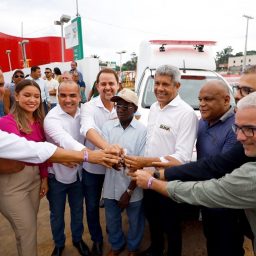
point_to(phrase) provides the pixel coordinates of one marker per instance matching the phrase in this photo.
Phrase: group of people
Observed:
(48, 84)
(120, 157)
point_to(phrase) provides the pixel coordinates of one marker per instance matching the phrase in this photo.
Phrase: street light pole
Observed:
(120, 53)
(8, 52)
(63, 19)
(246, 36)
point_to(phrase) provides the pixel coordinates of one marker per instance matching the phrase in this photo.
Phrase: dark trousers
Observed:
(57, 194)
(223, 231)
(92, 188)
(163, 217)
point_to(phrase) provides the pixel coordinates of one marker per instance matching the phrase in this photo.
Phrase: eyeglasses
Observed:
(47, 72)
(17, 76)
(243, 90)
(123, 107)
(248, 131)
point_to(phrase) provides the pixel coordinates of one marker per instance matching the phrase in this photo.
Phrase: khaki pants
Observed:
(19, 203)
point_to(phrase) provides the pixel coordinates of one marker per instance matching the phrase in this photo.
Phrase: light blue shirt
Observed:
(133, 139)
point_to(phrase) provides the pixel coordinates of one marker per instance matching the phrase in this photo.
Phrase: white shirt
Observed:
(93, 116)
(44, 92)
(50, 85)
(171, 130)
(133, 139)
(64, 130)
(18, 148)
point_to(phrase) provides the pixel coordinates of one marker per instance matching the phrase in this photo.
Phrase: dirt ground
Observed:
(193, 239)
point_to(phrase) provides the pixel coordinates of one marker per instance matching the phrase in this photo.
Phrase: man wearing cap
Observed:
(130, 134)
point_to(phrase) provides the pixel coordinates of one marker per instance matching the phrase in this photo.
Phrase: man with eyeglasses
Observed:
(129, 133)
(52, 86)
(234, 190)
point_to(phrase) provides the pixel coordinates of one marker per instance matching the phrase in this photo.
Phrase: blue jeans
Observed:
(92, 187)
(57, 200)
(136, 221)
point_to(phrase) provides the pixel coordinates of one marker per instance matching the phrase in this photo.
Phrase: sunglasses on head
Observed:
(21, 76)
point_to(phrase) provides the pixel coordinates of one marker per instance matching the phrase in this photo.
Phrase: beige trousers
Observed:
(19, 203)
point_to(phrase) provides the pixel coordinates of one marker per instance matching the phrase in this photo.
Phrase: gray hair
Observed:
(248, 101)
(168, 70)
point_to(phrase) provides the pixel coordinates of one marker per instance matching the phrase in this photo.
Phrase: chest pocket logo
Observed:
(164, 127)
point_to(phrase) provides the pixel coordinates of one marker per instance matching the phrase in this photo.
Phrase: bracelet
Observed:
(129, 191)
(150, 182)
(86, 156)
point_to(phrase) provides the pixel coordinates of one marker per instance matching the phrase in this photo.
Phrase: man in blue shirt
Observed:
(131, 135)
(215, 135)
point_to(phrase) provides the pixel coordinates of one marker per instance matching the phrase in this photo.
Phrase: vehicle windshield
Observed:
(189, 90)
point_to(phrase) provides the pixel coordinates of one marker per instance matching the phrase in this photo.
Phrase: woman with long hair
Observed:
(20, 192)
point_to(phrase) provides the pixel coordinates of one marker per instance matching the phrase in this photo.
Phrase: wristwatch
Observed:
(156, 174)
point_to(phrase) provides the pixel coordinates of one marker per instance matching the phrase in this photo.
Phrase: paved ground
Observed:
(193, 239)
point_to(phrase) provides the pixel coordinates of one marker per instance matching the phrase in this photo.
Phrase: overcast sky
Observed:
(114, 25)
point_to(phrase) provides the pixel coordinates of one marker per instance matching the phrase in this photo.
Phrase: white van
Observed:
(195, 60)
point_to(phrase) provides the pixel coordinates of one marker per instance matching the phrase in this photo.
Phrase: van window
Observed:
(189, 90)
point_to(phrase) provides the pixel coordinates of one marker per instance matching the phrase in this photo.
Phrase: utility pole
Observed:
(246, 36)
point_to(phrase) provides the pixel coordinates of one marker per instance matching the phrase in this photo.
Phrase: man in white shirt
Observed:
(93, 115)
(62, 127)
(171, 134)
(52, 87)
(36, 76)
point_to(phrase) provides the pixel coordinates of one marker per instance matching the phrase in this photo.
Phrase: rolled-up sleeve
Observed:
(87, 119)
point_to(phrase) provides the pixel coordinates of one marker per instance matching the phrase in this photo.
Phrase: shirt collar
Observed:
(100, 104)
(133, 123)
(173, 103)
(228, 114)
(60, 110)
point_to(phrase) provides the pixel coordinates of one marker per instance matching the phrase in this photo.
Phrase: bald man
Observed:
(62, 127)
(215, 135)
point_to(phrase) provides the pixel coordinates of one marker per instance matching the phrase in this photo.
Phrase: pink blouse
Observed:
(8, 124)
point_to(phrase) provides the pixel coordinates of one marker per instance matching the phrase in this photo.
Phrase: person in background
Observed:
(36, 76)
(81, 85)
(93, 92)
(57, 74)
(20, 196)
(9, 96)
(52, 86)
(73, 66)
(66, 76)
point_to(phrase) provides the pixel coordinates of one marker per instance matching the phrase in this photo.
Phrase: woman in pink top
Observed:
(20, 192)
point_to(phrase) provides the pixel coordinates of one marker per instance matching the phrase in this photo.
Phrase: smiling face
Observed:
(17, 77)
(165, 89)
(107, 86)
(29, 99)
(246, 118)
(69, 97)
